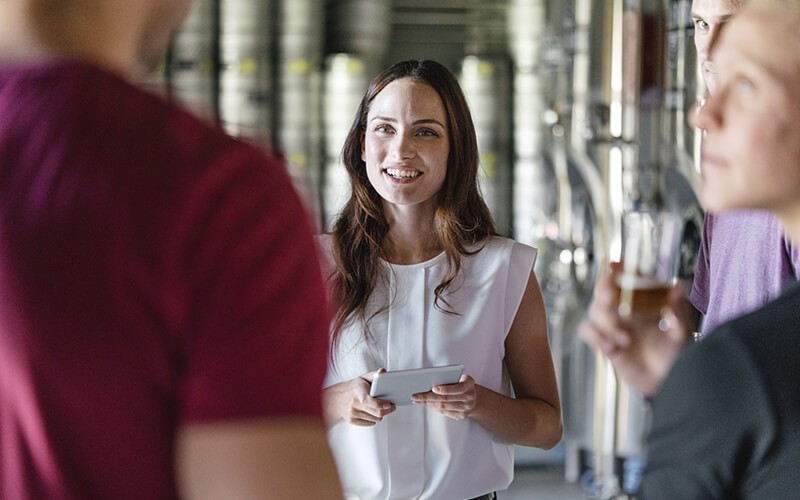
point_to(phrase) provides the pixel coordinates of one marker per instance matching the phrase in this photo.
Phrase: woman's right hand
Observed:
(351, 402)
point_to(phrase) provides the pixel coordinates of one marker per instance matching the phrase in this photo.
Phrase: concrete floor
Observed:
(541, 482)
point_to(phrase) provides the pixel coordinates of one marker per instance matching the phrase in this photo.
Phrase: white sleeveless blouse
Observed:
(415, 452)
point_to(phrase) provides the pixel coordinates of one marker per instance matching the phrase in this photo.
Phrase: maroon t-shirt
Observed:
(153, 273)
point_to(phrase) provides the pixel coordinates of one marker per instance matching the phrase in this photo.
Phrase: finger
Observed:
(370, 414)
(465, 385)
(608, 278)
(362, 423)
(606, 339)
(377, 406)
(674, 328)
(370, 376)
(455, 415)
(442, 405)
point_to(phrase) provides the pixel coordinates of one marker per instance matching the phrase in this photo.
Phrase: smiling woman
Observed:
(405, 148)
(420, 279)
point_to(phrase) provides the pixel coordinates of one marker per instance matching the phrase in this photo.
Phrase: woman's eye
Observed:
(427, 132)
(700, 24)
(383, 129)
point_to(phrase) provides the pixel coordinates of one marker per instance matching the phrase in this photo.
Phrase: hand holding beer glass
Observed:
(636, 318)
(651, 245)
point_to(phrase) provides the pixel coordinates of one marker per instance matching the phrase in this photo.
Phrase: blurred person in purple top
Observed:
(163, 320)
(745, 259)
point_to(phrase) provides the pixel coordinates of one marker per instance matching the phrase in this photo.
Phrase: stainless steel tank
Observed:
(346, 80)
(486, 83)
(300, 28)
(359, 27)
(192, 62)
(245, 83)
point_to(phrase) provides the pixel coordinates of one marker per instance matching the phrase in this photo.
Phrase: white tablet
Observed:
(398, 386)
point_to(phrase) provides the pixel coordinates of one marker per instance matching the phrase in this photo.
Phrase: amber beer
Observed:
(643, 296)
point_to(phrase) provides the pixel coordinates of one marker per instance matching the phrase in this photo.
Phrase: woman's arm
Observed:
(533, 418)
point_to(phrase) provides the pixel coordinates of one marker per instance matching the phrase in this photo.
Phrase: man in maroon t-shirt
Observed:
(163, 325)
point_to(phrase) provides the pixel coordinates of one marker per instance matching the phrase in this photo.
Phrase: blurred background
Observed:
(580, 108)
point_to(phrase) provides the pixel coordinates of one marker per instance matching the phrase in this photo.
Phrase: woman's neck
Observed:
(411, 238)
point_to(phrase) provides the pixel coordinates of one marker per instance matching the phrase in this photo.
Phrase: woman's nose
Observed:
(403, 146)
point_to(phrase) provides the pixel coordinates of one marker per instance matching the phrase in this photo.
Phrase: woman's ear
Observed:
(363, 155)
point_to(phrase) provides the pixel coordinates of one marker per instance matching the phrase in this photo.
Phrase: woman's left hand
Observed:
(452, 400)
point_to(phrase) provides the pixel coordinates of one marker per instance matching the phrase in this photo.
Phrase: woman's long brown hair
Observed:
(462, 218)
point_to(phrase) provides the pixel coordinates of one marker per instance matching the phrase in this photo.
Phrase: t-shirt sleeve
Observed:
(255, 313)
(699, 295)
(711, 423)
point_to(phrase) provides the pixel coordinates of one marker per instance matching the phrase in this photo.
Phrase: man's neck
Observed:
(32, 31)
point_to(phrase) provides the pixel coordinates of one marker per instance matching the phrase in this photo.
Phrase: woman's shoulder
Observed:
(500, 244)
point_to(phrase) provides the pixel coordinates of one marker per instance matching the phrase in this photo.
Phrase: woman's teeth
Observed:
(402, 174)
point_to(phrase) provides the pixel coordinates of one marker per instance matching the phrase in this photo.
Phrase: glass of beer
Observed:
(650, 252)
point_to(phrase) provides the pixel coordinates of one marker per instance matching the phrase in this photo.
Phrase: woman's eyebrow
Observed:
(417, 122)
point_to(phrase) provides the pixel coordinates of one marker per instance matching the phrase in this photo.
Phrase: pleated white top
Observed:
(415, 452)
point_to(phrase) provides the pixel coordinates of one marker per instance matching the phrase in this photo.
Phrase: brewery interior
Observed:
(580, 108)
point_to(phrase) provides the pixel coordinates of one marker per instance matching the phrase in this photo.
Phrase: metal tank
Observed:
(245, 81)
(346, 80)
(361, 28)
(485, 76)
(486, 83)
(300, 37)
(192, 63)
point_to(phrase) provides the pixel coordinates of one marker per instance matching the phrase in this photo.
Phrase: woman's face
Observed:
(406, 144)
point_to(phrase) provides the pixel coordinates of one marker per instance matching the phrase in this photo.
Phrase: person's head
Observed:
(751, 151)
(412, 142)
(405, 145)
(425, 90)
(708, 17)
(127, 36)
